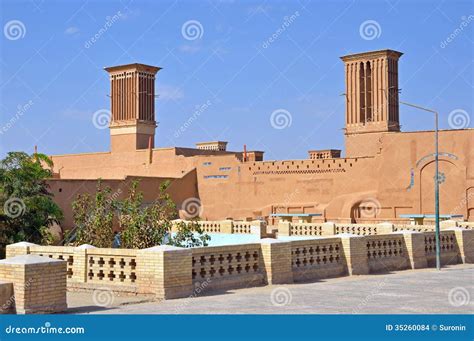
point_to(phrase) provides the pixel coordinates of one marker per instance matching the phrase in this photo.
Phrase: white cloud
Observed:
(167, 92)
(130, 14)
(189, 48)
(260, 9)
(71, 30)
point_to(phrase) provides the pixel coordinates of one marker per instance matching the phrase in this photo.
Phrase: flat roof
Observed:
(366, 54)
(209, 142)
(430, 216)
(138, 66)
(295, 215)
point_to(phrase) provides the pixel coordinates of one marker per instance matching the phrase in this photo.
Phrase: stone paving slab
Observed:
(425, 291)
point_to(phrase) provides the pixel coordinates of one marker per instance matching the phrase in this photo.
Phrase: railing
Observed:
(173, 272)
(210, 226)
(415, 228)
(224, 226)
(65, 253)
(386, 253)
(112, 266)
(448, 248)
(306, 229)
(317, 258)
(227, 266)
(358, 229)
(466, 224)
(241, 227)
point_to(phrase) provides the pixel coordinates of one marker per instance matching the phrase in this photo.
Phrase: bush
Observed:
(28, 208)
(93, 217)
(142, 225)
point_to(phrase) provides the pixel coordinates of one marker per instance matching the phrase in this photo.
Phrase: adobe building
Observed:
(385, 172)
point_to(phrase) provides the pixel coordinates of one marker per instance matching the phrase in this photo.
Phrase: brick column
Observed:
(79, 268)
(259, 228)
(415, 248)
(465, 242)
(21, 248)
(6, 297)
(276, 256)
(355, 251)
(448, 224)
(39, 283)
(384, 228)
(165, 271)
(226, 226)
(328, 229)
(284, 228)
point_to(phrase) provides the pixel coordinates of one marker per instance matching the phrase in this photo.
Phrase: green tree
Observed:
(93, 217)
(142, 224)
(26, 204)
(146, 225)
(189, 234)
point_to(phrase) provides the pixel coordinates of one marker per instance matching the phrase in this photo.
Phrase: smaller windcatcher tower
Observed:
(132, 123)
(372, 107)
(372, 91)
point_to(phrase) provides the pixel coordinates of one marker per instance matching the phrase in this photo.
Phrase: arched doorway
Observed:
(451, 188)
(367, 209)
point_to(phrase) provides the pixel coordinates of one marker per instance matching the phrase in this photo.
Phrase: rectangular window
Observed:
(216, 176)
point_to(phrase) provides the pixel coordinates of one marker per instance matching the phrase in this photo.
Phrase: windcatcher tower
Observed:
(371, 99)
(132, 125)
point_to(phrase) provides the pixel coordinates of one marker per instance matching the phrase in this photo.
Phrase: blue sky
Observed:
(52, 71)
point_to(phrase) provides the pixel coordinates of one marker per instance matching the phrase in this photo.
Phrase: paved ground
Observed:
(423, 291)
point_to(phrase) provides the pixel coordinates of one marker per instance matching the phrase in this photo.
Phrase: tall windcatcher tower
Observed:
(132, 125)
(371, 98)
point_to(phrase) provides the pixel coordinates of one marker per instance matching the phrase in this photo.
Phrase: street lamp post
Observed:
(436, 182)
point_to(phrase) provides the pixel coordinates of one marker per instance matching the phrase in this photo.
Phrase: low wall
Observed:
(387, 253)
(410, 227)
(317, 258)
(448, 245)
(231, 266)
(170, 272)
(230, 226)
(366, 229)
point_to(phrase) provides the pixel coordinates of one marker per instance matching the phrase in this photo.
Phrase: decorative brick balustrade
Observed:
(358, 229)
(317, 258)
(229, 266)
(170, 272)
